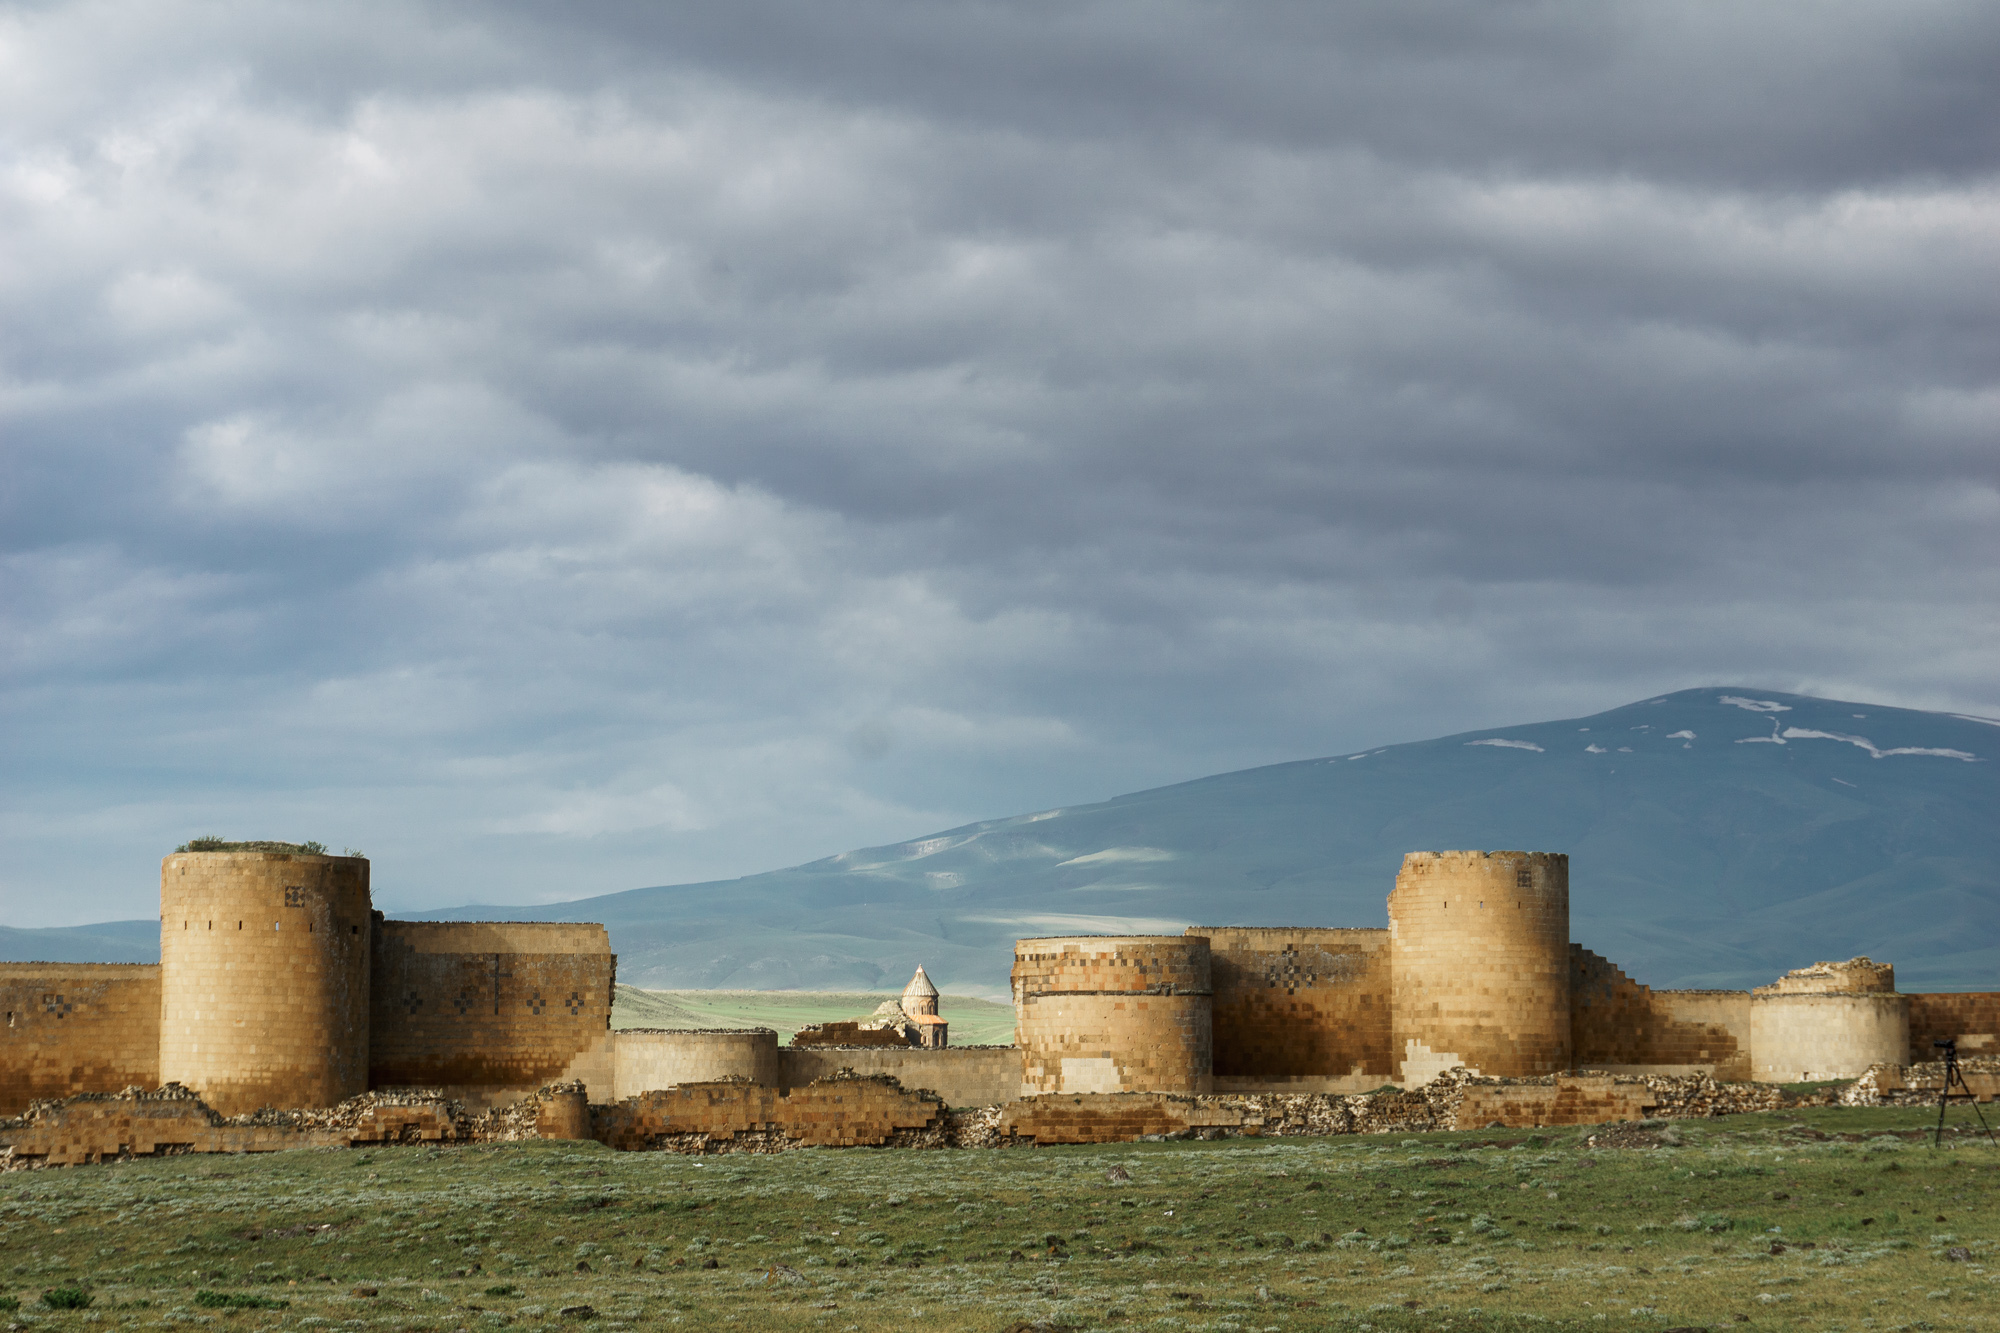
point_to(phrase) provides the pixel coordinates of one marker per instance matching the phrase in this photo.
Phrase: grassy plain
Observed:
(973, 1022)
(1825, 1220)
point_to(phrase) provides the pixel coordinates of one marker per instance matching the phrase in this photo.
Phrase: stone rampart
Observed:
(653, 1058)
(962, 1076)
(1114, 1013)
(1618, 1025)
(264, 969)
(1479, 963)
(489, 1011)
(1972, 1019)
(71, 1028)
(1300, 1002)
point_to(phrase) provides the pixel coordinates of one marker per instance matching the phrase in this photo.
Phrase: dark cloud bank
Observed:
(559, 450)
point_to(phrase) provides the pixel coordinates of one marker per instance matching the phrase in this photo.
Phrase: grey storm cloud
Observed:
(561, 449)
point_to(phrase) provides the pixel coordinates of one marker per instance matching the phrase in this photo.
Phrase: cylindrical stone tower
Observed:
(649, 1059)
(1479, 964)
(264, 960)
(1114, 1013)
(1830, 1020)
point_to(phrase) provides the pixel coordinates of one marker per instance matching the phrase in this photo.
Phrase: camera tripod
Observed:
(1954, 1075)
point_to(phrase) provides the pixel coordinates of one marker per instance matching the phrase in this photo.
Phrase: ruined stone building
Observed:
(279, 985)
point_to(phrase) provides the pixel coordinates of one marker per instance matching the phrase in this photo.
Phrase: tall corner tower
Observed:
(1479, 964)
(264, 971)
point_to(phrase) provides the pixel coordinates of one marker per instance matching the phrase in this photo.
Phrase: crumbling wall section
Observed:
(963, 1076)
(839, 1112)
(490, 1011)
(71, 1028)
(1299, 1002)
(1620, 1026)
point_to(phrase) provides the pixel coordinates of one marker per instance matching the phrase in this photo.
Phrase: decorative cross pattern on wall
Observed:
(535, 1003)
(295, 895)
(464, 1002)
(575, 1003)
(413, 1002)
(57, 1005)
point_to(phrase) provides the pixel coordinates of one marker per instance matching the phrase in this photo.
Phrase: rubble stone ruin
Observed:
(286, 1010)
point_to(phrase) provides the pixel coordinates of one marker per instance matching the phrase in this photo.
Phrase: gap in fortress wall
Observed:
(286, 1011)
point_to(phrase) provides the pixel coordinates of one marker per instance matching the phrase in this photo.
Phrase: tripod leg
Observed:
(1973, 1102)
(1944, 1099)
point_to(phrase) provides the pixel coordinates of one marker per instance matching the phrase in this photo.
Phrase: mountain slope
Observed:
(1716, 838)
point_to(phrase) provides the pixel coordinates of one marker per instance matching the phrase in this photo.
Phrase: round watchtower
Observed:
(1479, 964)
(1114, 1013)
(648, 1059)
(264, 963)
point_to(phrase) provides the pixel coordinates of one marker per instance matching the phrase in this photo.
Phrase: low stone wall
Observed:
(841, 1112)
(1918, 1084)
(856, 1110)
(1118, 1117)
(99, 1127)
(960, 1075)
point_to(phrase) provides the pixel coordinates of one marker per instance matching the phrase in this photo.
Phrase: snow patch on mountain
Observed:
(1509, 745)
(1808, 734)
(1111, 855)
(1755, 705)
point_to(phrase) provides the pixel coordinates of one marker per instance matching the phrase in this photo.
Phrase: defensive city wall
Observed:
(285, 1010)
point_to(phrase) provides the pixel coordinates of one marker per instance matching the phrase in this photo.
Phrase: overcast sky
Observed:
(564, 448)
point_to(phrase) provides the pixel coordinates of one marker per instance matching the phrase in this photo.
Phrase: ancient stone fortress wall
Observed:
(653, 1058)
(1619, 1026)
(1479, 963)
(264, 966)
(1828, 1021)
(1300, 1004)
(76, 1027)
(1971, 1019)
(1126, 1013)
(959, 1075)
(492, 1010)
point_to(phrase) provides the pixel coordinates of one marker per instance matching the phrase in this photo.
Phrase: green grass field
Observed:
(973, 1022)
(1827, 1220)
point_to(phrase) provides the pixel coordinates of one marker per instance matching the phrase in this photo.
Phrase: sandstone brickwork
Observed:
(851, 1033)
(1115, 1118)
(1828, 1021)
(492, 1010)
(962, 1076)
(1294, 1003)
(1128, 1013)
(264, 966)
(1618, 1025)
(1972, 1019)
(76, 1027)
(1479, 963)
(840, 1112)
